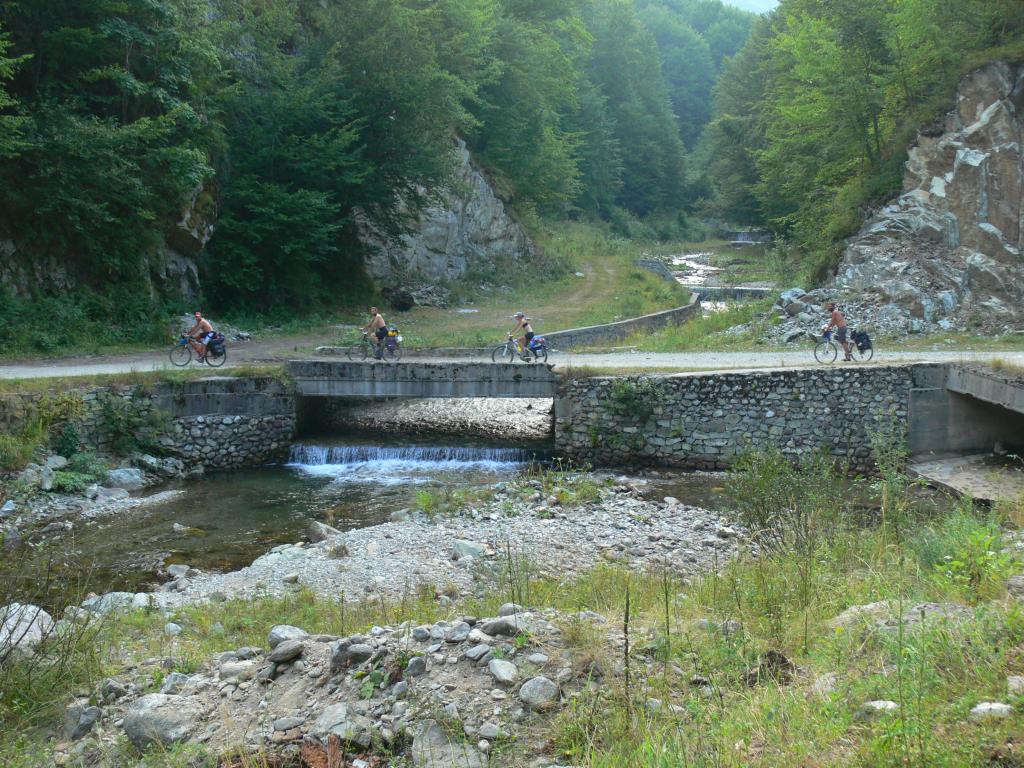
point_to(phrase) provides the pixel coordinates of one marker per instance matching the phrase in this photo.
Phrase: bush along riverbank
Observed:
(807, 630)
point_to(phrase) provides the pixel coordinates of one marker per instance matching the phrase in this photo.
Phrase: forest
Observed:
(643, 116)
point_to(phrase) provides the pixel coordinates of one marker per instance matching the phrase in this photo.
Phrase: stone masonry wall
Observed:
(592, 334)
(705, 420)
(216, 423)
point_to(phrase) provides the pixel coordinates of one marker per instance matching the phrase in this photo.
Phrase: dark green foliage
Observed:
(778, 496)
(304, 119)
(637, 399)
(813, 117)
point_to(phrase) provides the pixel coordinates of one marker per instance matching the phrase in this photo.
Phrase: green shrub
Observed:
(638, 399)
(778, 496)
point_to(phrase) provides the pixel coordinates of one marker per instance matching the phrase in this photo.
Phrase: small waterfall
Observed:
(318, 455)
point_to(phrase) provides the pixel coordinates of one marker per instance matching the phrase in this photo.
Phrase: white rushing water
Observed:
(405, 464)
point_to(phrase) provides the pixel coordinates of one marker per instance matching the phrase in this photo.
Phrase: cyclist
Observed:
(523, 325)
(379, 328)
(202, 332)
(839, 322)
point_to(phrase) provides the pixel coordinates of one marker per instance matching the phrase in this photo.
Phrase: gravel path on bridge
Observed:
(797, 356)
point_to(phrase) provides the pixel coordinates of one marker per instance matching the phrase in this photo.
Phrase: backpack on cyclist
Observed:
(216, 345)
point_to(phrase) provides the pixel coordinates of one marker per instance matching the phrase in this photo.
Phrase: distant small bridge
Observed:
(333, 378)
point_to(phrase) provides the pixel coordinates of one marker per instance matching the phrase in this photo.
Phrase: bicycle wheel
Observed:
(502, 354)
(393, 355)
(862, 355)
(181, 355)
(825, 352)
(216, 361)
(540, 354)
(354, 352)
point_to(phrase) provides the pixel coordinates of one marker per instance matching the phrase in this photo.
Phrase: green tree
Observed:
(626, 69)
(10, 125)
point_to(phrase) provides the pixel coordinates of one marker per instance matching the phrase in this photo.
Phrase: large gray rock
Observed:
(469, 227)
(281, 632)
(503, 671)
(161, 720)
(509, 626)
(464, 548)
(539, 693)
(343, 720)
(286, 651)
(436, 747)
(130, 479)
(108, 603)
(22, 628)
(321, 532)
(949, 245)
(80, 719)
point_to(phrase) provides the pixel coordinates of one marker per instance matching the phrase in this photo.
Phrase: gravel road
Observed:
(796, 356)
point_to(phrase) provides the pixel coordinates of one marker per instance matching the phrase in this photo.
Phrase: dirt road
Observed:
(281, 351)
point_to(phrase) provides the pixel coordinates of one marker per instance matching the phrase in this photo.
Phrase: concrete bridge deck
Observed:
(334, 378)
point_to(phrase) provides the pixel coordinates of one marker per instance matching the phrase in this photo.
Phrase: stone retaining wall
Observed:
(705, 420)
(600, 334)
(217, 423)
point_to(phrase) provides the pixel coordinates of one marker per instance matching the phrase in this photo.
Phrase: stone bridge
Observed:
(333, 378)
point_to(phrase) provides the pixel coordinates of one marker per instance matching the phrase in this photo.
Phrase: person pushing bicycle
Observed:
(839, 322)
(377, 326)
(524, 326)
(202, 332)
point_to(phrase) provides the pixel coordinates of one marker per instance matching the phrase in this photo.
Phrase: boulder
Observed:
(436, 747)
(80, 718)
(417, 666)
(286, 651)
(510, 609)
(342, 720)
(47, 478)
(108, 603)
(56, 462)
(990, 710)
(464, 548)
(22, 627)
(161, 720)
(504, 671)
(539, 693)
(130, 479)
(321, 532)
(281, 632)
(788, 297)
(509, 626)
(794, 308)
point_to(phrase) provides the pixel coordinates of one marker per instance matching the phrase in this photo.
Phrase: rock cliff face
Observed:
(170, 270)
(947, 253)
(467, 229)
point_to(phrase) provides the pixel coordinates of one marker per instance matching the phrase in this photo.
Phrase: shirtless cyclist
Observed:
(377, 326)
(202, 332)
(839, 322)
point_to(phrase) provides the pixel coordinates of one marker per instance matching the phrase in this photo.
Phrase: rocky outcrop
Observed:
(948, 250)
(471, 226)
(170, 270)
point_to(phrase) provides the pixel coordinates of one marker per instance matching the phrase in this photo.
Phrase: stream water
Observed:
(224, 522)
(227, 520)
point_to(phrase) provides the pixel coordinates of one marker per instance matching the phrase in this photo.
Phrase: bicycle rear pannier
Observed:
(861, 339)
(216, 345)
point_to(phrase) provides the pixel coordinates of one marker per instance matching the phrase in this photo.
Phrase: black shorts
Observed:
(529, 335)
(841, 335)
(381, 333)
